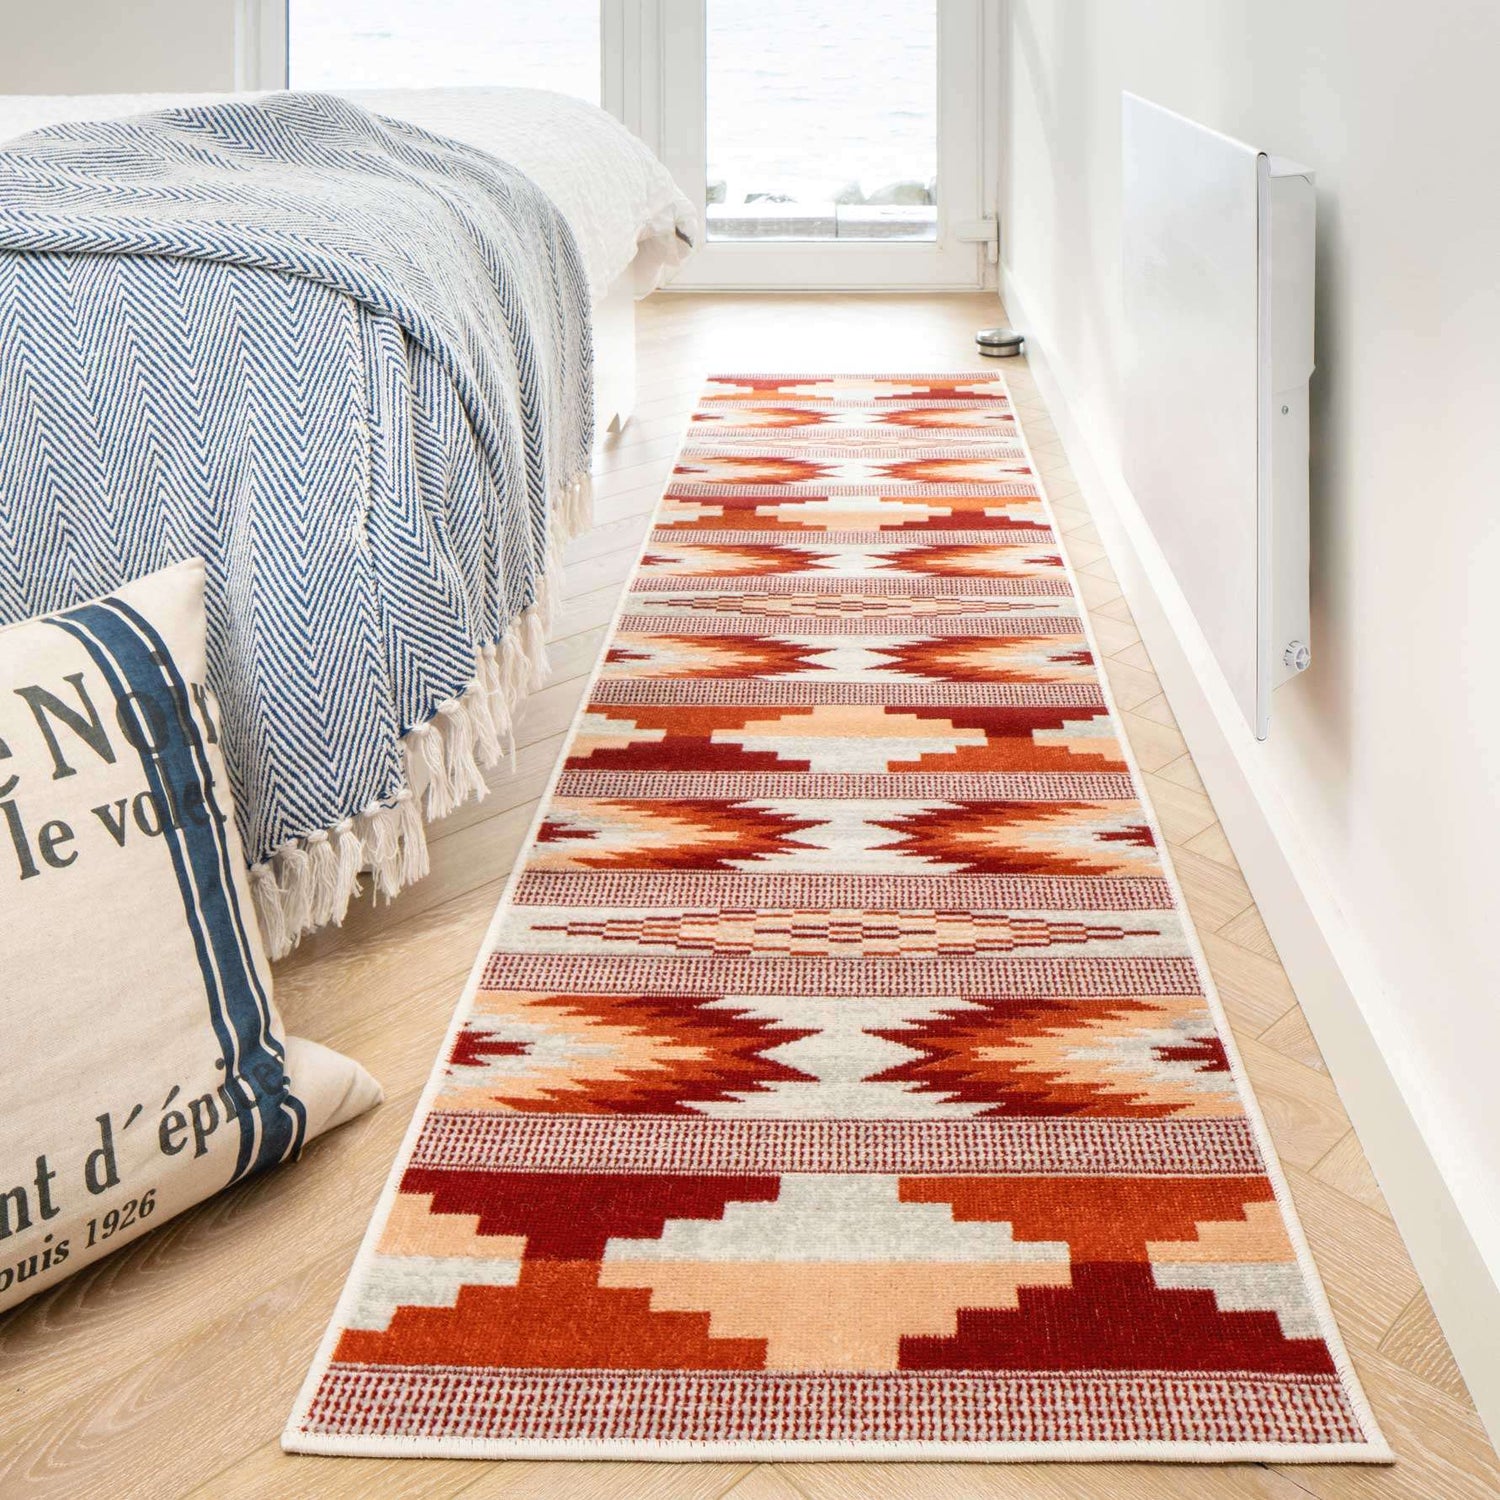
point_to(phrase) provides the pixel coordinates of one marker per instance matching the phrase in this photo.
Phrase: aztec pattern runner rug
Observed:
(841, 1078)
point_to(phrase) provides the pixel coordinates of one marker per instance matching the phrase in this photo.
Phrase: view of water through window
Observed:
(397, 44)
(822, 119)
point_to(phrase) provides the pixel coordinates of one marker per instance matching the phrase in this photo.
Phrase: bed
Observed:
(632, 222)
(324, 812)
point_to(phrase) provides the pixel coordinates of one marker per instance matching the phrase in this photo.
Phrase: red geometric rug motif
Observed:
(843, 1080)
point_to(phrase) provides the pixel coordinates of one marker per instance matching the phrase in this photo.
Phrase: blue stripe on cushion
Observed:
(135, 660)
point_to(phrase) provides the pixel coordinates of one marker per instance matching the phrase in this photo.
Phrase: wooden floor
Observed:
(168, 1369)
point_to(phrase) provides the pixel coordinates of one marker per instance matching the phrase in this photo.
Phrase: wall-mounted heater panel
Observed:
(1218, 281)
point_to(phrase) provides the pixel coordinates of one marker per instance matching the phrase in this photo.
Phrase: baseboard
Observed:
(1327, 963)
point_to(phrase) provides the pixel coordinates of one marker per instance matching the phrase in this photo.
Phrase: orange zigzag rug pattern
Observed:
(841, 1079)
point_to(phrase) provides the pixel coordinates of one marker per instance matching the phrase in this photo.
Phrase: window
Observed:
(822, 119)
(381, 44)
(828, 144)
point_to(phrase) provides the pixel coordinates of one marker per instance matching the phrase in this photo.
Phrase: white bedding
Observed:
(618, 198)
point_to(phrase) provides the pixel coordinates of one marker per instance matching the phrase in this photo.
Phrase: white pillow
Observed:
(143, 1065)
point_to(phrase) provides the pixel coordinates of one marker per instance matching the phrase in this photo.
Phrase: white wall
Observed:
(1384, 758)
(116, 46)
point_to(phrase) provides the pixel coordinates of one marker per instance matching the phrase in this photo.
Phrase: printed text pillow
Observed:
(143, 1065)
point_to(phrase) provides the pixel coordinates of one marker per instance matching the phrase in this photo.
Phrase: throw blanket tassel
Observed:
(414, 860)
(322, 878)
(309, 882)
(351, 855)
(269, 908)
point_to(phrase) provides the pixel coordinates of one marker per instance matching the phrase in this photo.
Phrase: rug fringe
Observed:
(309, 882)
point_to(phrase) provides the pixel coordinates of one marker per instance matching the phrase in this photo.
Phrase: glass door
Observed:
(829, 144)
(819, 130)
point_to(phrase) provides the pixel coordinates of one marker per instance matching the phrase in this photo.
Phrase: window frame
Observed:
(653, 78)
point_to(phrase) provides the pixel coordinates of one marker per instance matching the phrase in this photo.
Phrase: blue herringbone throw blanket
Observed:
(346, 362)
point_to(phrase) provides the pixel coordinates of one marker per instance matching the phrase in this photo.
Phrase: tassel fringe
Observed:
(309, 882)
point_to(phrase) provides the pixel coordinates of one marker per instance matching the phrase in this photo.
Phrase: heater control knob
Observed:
(1298, 656)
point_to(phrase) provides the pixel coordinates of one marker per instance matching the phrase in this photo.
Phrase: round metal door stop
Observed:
(999, 343)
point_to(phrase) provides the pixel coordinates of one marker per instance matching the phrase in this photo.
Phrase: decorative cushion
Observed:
(143, 1065)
